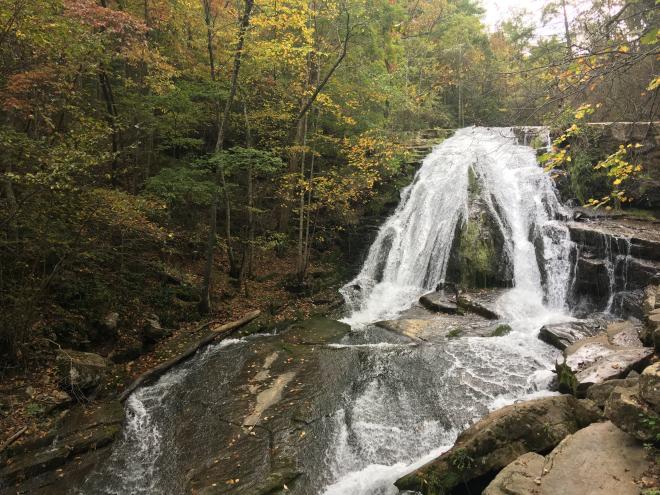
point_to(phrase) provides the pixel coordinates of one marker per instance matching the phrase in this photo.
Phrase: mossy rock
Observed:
(455, 333)
(479, 258)
(501, 330)
(567, 382)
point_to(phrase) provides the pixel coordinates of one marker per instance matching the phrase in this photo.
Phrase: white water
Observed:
(410, 254)
(385, 432)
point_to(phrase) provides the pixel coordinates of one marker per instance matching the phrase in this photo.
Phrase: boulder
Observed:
(600, 392)
(153, 331)
(470, 302)
(500, 438)
(521, 477)
(596, 360)
(438, 302)
(561, 335)
(586, 352)
(623, 334)
(615, 365)
(127, 348)
(628, 411)
(80, 371)
(110, 321)
(649, 299)
(649, 386)
(597, 460)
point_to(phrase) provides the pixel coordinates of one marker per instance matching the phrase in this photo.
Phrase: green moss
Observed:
(474, 189)
(500, 330)
(476, 255)
(567, 381)
(456, 332)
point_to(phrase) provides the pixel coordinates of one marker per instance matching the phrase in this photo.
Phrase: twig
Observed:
(13, 438)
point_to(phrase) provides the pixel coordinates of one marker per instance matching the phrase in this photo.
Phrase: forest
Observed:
(166, 162)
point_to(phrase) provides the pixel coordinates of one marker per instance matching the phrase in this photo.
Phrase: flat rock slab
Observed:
(614, 365)
(586, 352)
(624, 334)
(81, 431)
(438, 328)
(439, 302)
(562, 335)
(597, 460)
(481, 303)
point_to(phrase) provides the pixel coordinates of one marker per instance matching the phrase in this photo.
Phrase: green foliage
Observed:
(651, 424)
(182, 187)
(461, 460)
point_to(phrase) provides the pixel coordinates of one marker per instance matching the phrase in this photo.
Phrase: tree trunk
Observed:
(297, 132)
(569, 43)
(205, 303)
(300, 264)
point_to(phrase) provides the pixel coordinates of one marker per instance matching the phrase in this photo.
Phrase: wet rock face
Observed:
(500, 438)
(479, 257)
(615, 460)
(615, 255)
(562, 335)
(267, 426)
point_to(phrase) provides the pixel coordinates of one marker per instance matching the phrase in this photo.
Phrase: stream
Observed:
(353, 414)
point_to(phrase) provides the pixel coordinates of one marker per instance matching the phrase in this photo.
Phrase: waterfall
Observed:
(411, 252)
(410, 404)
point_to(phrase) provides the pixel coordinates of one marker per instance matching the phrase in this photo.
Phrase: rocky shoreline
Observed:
(599, 437)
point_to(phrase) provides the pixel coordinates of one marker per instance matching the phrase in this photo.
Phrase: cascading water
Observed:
(385, 431)
(411, 253)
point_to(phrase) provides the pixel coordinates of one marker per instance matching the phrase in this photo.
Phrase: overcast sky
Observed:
(499, 10)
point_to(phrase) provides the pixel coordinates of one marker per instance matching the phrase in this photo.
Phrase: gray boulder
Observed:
(649, 386)
(438, 302)
(628, 411)
(80, 371)
(561, 335)
(153, 331)
(597, 460)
